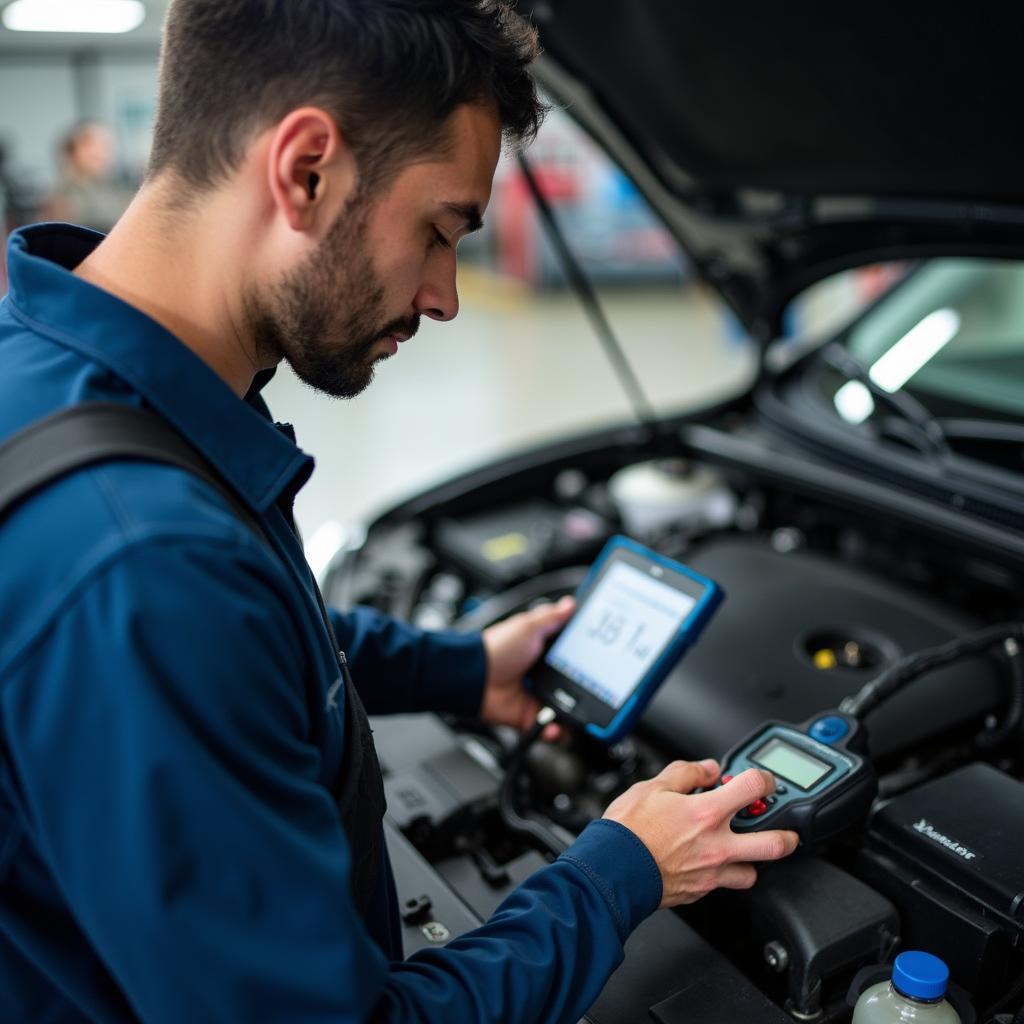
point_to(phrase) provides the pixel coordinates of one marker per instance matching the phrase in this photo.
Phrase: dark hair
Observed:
(391, 72)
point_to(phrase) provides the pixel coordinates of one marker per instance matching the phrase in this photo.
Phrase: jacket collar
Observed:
(261, 462)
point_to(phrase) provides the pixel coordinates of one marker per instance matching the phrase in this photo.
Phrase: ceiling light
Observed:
(109, 16)
(917, 347)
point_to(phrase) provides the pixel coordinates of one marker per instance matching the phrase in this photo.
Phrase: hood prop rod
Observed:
(581, 285)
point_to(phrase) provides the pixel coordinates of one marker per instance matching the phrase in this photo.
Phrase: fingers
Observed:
(737, 876)
(731, 876)
(761, 846)
(740, 792)
(686, 776)
(548, 618)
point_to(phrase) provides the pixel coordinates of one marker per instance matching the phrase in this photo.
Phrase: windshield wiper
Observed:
(983, 430)
(917, 425)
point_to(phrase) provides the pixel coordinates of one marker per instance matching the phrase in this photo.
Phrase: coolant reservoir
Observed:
(915, 993)
(652, 495)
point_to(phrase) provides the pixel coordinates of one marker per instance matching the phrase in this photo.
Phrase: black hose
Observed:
(912, 667)
(533, 830)
(1015, 712)
(1001, 1011)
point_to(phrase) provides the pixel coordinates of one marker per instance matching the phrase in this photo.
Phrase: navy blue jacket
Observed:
(169, 849)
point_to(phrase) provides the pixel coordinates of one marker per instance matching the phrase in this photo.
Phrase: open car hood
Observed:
(784, 142)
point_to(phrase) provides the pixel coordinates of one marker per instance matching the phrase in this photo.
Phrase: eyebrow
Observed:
(469, 212)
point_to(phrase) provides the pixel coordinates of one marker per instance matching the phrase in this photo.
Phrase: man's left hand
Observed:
(512, 646)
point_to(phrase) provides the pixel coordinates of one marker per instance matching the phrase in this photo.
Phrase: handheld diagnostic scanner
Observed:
(637, 612)
(823, 785)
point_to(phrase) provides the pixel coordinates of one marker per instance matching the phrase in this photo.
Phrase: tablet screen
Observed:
(617, 634)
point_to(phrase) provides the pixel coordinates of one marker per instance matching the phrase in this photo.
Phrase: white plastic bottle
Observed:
(915, 993)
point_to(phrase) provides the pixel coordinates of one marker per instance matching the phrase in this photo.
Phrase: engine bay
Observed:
(823, 597)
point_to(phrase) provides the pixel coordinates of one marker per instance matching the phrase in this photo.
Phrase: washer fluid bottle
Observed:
(915, 994)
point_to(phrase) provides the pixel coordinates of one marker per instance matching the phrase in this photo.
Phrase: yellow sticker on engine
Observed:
(508, 545)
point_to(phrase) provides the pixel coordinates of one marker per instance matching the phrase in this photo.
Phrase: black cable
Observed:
(1012, 720)
(591, 304)
(983, 430)
(508, 602)
(1001, 1010)
(910, 668)
(533, 830)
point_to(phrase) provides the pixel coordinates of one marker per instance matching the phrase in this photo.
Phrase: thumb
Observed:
(549, 618)
(686, 776)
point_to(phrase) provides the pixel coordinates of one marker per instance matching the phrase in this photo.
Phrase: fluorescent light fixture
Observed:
(854, 402)
(918, 346)
(106, 16)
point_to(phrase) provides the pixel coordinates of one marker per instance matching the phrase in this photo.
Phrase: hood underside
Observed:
(784, 142)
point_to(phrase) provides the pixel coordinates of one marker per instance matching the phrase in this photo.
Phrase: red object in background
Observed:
(875, 281)
(517, 221)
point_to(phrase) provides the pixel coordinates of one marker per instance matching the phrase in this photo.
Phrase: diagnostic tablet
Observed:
(636, 614)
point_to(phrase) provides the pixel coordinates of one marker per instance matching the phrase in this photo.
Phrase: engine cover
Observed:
(767, 653)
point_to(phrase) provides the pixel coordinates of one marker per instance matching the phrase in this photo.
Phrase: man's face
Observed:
(387, 260)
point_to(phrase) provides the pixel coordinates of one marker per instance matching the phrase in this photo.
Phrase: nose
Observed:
(438, 297)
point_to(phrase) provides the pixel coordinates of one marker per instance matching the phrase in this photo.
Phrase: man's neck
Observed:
(176, 269)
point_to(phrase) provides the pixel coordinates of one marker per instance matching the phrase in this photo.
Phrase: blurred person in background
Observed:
(87, 192)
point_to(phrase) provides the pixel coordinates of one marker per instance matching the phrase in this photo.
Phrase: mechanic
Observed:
(175, 731)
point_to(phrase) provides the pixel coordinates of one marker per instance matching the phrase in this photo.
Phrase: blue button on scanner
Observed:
(830, 729)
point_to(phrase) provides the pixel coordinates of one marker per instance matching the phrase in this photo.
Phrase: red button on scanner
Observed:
(726, 778)
(757, 808)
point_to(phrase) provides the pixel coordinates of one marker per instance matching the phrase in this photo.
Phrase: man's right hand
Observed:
(688, 833)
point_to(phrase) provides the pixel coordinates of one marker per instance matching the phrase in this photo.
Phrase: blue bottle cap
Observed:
(920, 975)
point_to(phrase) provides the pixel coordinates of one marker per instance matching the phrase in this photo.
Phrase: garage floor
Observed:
(514, 369)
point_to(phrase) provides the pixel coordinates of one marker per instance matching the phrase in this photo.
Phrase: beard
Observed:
(326, 316)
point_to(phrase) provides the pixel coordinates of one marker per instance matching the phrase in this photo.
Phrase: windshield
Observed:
(952, 333)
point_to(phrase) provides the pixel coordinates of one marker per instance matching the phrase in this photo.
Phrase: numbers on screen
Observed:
(608, 628)
(635, 646)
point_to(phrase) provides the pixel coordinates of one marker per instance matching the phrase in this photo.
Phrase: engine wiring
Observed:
(539, 834)
(1007, 635)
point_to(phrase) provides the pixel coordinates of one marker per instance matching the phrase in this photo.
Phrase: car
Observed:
(861, 503)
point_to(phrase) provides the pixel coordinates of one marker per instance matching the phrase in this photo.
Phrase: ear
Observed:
(312, 171)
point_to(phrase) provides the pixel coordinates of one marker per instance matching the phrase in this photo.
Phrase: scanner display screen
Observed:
(618, 633)
(791, 763)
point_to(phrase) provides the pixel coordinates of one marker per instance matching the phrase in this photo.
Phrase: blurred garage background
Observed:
(519, 366)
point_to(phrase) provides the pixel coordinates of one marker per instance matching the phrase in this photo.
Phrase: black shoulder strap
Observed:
(95, 432)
